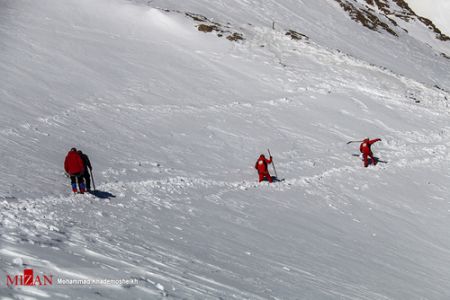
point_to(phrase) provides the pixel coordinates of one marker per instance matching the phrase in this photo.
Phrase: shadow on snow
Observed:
(102, 194)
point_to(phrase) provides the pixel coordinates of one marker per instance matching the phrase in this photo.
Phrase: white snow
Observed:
(436, 10)
(174, 119)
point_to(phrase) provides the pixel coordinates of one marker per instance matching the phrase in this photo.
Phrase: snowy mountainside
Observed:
(386, 14)
(437, 12)
(395, 16)
(173, 120)
(327, 23)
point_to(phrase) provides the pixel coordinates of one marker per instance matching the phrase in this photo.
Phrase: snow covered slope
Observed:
(396, 18)
(331, 26)
(173, 120)
(437, 12)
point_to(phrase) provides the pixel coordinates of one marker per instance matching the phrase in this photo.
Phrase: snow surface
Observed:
(173, 120)
(436, 10)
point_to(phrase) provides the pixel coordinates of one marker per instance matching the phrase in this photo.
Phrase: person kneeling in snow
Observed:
(261, 166)
(73, 165)
(367, 152)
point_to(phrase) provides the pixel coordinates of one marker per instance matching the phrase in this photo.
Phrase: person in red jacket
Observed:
(367, 152)
(73, 165)
(261, 166)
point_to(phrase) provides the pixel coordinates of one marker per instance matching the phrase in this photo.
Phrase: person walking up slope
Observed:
(86, 174)
(73, 165)
(263, 170)
(367, 152)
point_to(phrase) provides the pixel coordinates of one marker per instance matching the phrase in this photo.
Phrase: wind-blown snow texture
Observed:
(173, 120)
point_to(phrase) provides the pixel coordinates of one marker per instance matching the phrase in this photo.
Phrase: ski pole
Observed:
(349, 142)
(92, 177)
(273, 164)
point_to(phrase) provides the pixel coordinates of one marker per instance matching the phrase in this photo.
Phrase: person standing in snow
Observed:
(263, 170)
(73, 165)
(86, 174)
(367, 152)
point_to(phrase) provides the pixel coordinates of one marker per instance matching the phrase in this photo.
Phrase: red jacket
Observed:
(365, 146)
(73, 164)
(261, 164)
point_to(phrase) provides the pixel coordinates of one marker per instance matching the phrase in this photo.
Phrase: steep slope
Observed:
(173, 119)
(328, 24)
(438, 12)
(386, 15)
(396, 17)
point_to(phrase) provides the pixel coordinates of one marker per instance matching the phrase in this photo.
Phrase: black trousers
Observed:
(87, 179)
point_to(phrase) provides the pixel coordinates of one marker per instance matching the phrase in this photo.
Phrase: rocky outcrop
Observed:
(207, 25)
(384, 15)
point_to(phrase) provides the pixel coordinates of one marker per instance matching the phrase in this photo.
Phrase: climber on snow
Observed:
(261, 166)
(87, 165)
(74, 167)
(364, 148)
